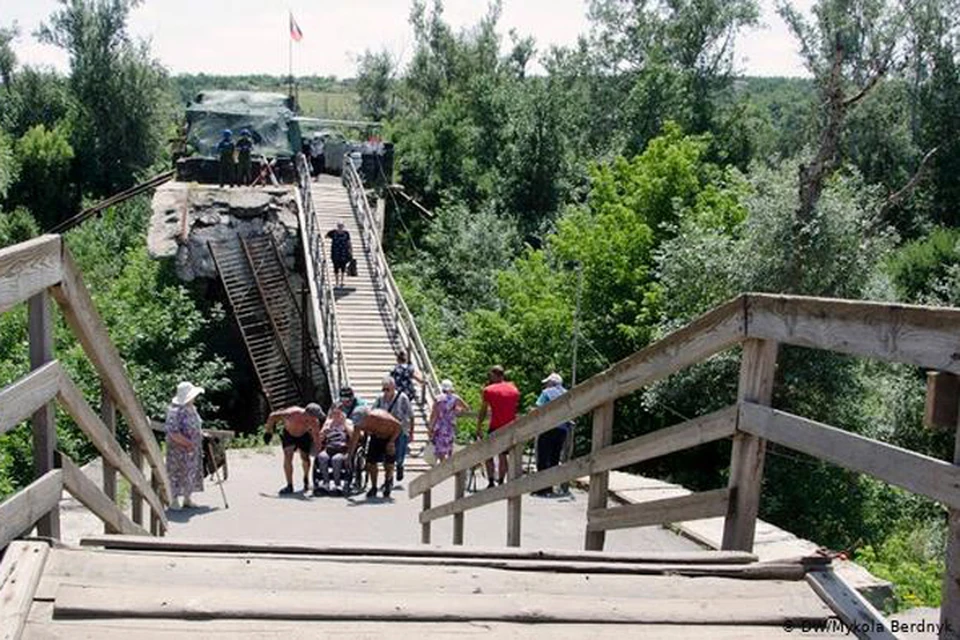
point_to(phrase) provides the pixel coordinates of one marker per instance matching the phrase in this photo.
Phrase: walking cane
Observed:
(216, 472)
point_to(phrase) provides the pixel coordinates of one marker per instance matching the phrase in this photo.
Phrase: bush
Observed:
(912, 559)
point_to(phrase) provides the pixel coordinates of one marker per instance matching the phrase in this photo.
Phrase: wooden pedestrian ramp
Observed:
(117, 587)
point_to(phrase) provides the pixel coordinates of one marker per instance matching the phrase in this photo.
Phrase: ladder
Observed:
(265, 309)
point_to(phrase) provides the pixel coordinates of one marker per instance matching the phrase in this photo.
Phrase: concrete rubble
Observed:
(186, 216)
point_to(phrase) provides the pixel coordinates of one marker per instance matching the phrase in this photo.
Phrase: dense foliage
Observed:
(642, 176)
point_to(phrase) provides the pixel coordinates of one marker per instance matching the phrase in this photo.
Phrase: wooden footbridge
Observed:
(133, 582)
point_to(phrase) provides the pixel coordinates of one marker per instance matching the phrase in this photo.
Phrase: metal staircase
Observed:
(268, 315)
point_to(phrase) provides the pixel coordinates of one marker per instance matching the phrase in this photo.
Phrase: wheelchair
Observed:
(353, 475)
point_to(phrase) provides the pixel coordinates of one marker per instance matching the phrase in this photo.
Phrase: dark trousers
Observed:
(549, 447)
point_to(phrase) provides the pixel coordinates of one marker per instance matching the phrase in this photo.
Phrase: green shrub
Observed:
(912, 559)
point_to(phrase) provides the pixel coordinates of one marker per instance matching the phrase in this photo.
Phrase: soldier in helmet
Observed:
(244, 152)
(225, 149)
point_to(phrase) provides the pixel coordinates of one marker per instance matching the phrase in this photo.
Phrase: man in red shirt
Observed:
(501, 398)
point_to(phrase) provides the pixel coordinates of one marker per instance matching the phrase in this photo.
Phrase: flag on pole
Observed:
(295, 32)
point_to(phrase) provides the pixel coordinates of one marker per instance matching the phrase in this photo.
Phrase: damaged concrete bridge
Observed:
(156, 574)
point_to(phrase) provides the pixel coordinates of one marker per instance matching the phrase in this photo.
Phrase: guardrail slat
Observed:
(21, 399)
(707, 504)
(28, 268)
(21, 511)
(90, 496)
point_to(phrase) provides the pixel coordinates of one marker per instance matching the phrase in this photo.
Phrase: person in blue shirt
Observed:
(225, 149)
(550, 443)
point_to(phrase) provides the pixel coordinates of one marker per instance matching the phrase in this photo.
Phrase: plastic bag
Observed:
(429, 454)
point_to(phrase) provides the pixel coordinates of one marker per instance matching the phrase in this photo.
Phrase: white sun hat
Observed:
(554, 379)
(186, 392)
(446, 385)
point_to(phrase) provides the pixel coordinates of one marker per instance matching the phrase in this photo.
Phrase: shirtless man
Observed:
(301, 430)
(383, 430)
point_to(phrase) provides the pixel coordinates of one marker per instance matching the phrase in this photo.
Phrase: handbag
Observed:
(352, 268)
(430, 454)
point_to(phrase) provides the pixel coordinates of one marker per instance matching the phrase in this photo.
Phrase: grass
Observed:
(337, 105)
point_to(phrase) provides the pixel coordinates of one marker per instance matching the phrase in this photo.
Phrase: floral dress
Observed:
(443, 431)
(185, 467)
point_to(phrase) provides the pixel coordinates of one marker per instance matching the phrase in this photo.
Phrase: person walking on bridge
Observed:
(383, 430)
(341, 252)
(397, 404)
(501, 399)
(443, 420)
(244, 157)
(184, 445)
(550, 443)
(225, 149)
(301, 430)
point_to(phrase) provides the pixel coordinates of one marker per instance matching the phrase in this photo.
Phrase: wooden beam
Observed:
(514, 502)
(90, 496)
(757, 369)
(715, 426)
(90, 423)
(28, 268)
(425, 526)
(24, 397)
(108, 413)
(191, 602)
(950, 592)
(81, 314)
(849, 605)
(205, 546)
(44, 419)
(22, 510)
(921, 336)
(20, 573)
(707, 504)
(599, 482)
(706, 336)
(908, 470)
(136, 497)
(459, 490)
(941, 403)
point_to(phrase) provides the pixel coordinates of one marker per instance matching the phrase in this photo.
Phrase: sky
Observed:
(252, 36)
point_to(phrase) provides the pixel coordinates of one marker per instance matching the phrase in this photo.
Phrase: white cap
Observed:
(186, 392)
(554, 379)
(446, 385)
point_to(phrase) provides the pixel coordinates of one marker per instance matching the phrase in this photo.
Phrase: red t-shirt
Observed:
(503, 398)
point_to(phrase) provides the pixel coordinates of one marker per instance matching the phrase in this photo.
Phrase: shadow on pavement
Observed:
(185, 514)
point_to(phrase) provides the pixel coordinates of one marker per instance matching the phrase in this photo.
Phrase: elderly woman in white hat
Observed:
(184, 444)
(442, 427)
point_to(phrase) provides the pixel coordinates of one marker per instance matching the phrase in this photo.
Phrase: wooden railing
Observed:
(33, 272)
(922, 336)
(392, 306)
(323, 304)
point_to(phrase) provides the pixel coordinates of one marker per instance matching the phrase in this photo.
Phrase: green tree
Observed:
(119, 90)
(375, 85)
(45, 160)
(8, 59)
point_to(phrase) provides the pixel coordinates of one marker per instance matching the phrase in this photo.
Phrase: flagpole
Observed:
(290, 58)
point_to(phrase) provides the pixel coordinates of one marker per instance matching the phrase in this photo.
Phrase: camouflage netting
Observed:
(267, 115)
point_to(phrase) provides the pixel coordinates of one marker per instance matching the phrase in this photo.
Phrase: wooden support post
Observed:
(425, 527)
(458, 492)
(599, 482)
(941, 392)
(515, 470)
(108, 413)
(136, 499)
(757, 370)
(155, 527)
(44, 421)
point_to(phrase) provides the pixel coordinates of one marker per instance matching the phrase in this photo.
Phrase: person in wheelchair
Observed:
(333, 445)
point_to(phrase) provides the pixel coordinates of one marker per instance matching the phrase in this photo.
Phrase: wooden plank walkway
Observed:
(369, 350)
(194, 590)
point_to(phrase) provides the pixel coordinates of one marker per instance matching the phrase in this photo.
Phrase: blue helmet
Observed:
(245, 132)
(227, 133)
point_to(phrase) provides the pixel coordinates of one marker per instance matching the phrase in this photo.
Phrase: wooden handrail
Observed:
(21, 511)
(27, 272)
(28, 268)
(708, 335)
(81, 314)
